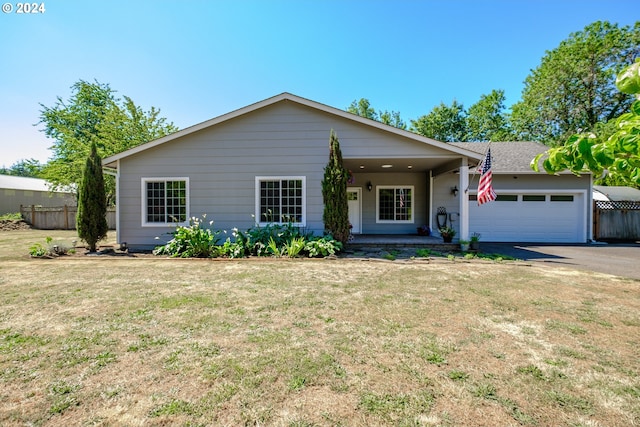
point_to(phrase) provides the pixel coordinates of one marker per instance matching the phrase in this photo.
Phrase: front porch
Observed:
(389, 197)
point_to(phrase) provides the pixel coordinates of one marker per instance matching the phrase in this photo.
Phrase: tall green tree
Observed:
(487, 119)
(573, 87)
(444, 123)
(617, 157)
(91, 219)
(392, 118)
(28, 168)
(93, 114)
(363, 108)
(334, 193)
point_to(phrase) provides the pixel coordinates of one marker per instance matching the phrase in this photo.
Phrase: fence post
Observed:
(596, 221)
(66, 217)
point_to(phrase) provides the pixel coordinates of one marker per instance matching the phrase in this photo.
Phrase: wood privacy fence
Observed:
(58, 217)
(616, 220)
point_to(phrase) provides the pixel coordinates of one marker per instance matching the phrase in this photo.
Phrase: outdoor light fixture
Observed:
(369, 186)
(454, 190)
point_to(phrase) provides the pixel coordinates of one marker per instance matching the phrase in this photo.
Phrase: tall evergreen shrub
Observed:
(91, 218)
(334, 193)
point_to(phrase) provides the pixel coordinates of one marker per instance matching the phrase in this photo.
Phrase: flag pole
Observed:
(475, 171)
(485, 186)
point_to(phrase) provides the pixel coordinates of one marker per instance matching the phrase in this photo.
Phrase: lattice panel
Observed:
(606, 205)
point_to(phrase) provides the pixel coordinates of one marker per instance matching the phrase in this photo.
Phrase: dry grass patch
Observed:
(149, 341)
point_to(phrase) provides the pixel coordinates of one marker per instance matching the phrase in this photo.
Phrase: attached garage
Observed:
(526, 216)
(531, 207)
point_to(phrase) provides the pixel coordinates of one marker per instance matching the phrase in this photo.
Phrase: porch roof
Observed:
(403, 164)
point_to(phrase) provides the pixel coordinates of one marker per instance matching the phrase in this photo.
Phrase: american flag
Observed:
(485, 190)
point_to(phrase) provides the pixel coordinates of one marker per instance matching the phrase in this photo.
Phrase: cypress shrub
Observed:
(334, 193)
(91, 220)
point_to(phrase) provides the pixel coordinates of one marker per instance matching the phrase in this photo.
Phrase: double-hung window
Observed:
(165, 201)
(394, 204)
(281, 200)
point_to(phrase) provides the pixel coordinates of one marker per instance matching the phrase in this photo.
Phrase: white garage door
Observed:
(528, 217)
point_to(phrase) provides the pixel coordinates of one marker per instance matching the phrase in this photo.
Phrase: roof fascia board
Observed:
(191, 129)
(387, 128)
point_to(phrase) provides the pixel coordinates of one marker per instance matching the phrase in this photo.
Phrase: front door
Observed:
(354, 202)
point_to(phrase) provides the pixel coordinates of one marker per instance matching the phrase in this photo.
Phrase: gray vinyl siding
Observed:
(508, 182)
(285, 139)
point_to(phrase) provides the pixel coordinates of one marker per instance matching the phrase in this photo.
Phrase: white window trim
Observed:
(259, 220)
(143, 200)
(390, 221)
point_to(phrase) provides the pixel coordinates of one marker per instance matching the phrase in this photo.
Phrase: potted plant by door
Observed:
(464, 245)
(447, 234)
(474, 243)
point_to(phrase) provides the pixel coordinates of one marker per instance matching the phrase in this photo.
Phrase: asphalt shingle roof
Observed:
(507, 157)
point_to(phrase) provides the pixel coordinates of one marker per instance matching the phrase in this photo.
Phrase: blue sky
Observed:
(198, 59)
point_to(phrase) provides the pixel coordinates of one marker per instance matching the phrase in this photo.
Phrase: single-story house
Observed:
(16, 191)
(265, 163)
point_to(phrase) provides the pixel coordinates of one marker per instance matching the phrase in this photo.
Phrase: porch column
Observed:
(430, 207)
(463, 185)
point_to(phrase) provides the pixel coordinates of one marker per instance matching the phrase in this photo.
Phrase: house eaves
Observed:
(112, 161)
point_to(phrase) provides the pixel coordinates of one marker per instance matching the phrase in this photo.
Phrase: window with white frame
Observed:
(280, 199)
(394, 204)
(165, 200)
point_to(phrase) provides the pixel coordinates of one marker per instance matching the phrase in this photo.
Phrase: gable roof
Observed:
(508, 156)
(288, 97)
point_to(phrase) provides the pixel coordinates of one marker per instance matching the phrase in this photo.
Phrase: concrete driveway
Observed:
(618, 259)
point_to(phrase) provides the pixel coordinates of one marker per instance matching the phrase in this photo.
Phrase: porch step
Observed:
(389, 246)
(390, 242)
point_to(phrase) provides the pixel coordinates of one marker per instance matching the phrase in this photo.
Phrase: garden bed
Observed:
(13, 224)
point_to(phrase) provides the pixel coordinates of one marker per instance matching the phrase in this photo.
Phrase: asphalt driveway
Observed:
(620, 259)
